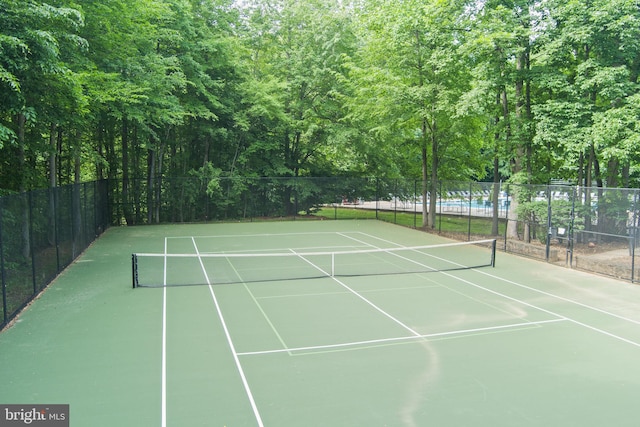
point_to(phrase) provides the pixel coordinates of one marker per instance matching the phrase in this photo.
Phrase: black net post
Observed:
(493, 252)
(134, 270)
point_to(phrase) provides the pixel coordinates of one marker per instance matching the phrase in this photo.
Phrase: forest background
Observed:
(522, 91)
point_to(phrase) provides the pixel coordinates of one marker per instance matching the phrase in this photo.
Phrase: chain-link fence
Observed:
(180, 200)
(594, 229)
(41, 233)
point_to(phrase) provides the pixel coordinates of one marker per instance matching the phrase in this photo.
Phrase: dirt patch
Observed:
(607, 258)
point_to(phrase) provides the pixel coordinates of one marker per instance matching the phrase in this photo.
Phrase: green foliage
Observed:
(589, 59)
(613, 212)
(149, 89)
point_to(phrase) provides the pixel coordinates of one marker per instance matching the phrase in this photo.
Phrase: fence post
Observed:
(395, 201)
(415, 203)
(377, 196)
(549, 224)
(634, 236)
(83, 213)
(31, 251)
(506, 215)
(438, 199)
(4, 277)
(55, 194)
(296, 200)
(469, 216)
(570, 231)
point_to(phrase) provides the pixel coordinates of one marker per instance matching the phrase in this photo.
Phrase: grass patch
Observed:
(407, 219)
(474, 226)
(456, 224)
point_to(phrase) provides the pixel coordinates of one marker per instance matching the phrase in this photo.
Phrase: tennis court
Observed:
(326, 323)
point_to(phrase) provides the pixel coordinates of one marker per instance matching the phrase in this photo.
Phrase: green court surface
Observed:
(521, 344)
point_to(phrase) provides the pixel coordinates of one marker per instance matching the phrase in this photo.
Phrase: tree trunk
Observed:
(53, 174)
(512, 217)
(126, 207)
(151, 166)
(159, 183)
(434, 175)
(426, 197)
(495, 197)
(21, 122)
(587, 195)
(76, 200)
(522, 147)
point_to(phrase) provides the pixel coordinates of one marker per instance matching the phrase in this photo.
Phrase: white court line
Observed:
(313, 233)
(264, 314)
(252, 401)
(397, 339)
(415, 333)
(164, 344)
(608, 313)
(549, 294)
(577, 322)
(271, 250)
(388, 340)
(369, 291)
(164, 357)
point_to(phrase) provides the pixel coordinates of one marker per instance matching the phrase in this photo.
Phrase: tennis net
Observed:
(160, 270)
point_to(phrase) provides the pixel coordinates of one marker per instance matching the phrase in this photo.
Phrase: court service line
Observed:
(234, 353)
(428, 267)
(255, 301)
(397, 339)
(408, 328)
(577, 322)
(272, 250)
(216, 236)
(473, 284)
(264, 314)
(342, 292)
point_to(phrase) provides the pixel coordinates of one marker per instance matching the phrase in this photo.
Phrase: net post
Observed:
(134, 270)
(493, 252)
(333, 264)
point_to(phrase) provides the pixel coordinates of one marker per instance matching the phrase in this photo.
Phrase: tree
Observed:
(409, 80)
(39, 88)
(591, 53)
(504, 34)
(296, 65)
